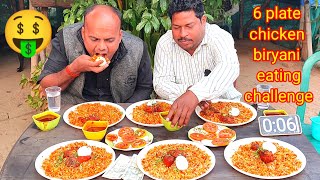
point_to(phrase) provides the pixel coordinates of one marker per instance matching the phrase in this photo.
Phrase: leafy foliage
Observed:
(146, 19)
(36, 99)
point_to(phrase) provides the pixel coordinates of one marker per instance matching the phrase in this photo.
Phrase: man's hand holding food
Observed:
(85, 63)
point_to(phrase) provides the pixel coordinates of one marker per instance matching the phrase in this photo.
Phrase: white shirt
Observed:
(175, 69)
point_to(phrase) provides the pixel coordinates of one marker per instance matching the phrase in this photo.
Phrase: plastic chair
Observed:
(304, 87)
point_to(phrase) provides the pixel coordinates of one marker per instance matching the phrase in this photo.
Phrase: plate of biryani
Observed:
(129, 138)
(212, 135)
(77, 159)
(78, 115)
(147, 112)
(176, 159)
(265, 158)
(227, 113)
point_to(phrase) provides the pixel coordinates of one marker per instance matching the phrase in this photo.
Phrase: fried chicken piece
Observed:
(254, 146)
(228, 119)
(266, 156)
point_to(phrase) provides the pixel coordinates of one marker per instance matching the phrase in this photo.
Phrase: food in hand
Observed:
(98, 58)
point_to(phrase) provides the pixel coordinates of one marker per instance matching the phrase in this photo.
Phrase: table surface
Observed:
(20, 164)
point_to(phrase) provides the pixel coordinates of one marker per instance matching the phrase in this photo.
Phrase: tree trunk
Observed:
(21, 5)
(52, 3)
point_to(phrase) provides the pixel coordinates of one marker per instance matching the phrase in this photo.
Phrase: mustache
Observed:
(184, 39)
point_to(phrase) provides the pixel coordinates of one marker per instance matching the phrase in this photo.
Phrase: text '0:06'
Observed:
(279, 125)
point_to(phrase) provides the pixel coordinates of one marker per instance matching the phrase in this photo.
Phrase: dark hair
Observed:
(186, 5)
(91, 8)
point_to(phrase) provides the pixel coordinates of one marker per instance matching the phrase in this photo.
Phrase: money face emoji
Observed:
(28, 32)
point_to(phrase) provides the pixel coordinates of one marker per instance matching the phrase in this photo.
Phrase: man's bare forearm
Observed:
(61, 79)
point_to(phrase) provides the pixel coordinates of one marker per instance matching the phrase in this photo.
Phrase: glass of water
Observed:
(263, 88)
(54, 98)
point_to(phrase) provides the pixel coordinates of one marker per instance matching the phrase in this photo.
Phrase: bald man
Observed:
(126, 78)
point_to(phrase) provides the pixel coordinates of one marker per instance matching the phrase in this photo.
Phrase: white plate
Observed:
(46, 153)
(144, 152)
(148, 138)
(254, 115)
(129, 111)
(73, 108)
(207, 142)
(233, 147)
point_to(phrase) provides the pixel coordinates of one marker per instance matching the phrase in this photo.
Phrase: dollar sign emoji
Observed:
(20, 25)
(28, 47)
(35, 27)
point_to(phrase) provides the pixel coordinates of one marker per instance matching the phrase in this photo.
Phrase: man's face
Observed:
(188, 30)
(101, 35)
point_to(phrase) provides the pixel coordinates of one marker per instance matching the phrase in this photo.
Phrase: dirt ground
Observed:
(15, 115)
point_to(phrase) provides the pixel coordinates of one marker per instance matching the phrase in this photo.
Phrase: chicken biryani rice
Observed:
(150, 114)
(218, 109)
(55, 166)
(285, 163)
(199, 162)
(94, 112)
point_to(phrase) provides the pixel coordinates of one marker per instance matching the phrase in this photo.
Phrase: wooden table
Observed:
(20, 164)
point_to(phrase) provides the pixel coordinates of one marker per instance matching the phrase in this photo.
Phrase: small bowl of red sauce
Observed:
(274, 112)
(95, 130)
(46, 120)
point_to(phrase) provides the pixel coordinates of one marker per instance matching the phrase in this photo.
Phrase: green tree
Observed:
(147, 19)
